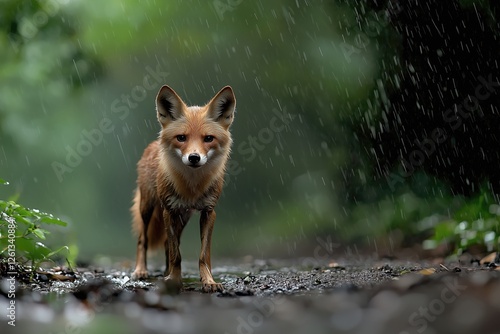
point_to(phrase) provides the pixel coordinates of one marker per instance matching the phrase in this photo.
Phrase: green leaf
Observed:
(25, 247)
(24, 212)
(21, 219)
(52, 220)
(41, 245)
(39, 233)
(3, 182)
(444, 230)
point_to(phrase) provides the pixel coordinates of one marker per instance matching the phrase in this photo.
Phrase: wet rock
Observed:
(248, 279)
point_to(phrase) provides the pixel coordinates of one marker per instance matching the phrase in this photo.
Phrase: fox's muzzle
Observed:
(194, 160)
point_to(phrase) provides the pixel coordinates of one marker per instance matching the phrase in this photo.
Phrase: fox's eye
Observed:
(181, 138)
(208, 139)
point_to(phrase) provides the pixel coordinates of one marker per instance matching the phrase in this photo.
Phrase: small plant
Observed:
(477, 222)
(22, 234)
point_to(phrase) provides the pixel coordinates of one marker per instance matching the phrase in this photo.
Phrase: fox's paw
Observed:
(211, 287)
(173, 285)
(139, 274)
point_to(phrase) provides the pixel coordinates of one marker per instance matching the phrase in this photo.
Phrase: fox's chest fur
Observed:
(179, 191)
(174, 201)
(178, 187)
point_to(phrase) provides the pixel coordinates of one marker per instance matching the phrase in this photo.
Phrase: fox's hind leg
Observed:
(142, 213)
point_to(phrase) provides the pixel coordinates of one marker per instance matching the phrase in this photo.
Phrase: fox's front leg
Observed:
(207, 221)
(174, 225)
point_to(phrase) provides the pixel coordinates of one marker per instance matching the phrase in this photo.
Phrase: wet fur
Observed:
(168, 191)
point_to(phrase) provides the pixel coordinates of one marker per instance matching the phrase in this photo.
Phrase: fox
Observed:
(182, 171)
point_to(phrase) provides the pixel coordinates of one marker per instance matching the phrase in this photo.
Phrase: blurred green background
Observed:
(78, 81)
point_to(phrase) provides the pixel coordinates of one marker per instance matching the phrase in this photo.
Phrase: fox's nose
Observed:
(194, 158)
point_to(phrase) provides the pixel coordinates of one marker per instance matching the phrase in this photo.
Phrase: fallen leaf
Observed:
(57, 277)
(427, 271)
(488, 258)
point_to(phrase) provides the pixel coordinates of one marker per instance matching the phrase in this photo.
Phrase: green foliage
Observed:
(22, 231)
(40, 53)
(476, 222)
(67, 65)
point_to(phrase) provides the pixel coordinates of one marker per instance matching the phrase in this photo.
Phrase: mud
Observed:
(262, 297)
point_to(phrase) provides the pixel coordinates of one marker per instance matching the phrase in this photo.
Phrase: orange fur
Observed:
(183, 170)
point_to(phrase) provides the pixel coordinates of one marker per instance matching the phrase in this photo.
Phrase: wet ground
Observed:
(262, 297)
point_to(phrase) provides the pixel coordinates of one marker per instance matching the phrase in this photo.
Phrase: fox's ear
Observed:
(222, 106)
(169, 106)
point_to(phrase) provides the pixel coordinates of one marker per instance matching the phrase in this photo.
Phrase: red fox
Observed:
(182, 171)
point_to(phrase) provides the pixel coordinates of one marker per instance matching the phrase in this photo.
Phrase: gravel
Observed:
(262, 297)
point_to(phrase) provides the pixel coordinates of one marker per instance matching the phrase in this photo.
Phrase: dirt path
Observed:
(264, 297)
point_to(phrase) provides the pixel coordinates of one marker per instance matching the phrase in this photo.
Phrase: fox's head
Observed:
(194, 137)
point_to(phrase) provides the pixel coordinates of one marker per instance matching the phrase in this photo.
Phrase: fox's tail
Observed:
(156, 230)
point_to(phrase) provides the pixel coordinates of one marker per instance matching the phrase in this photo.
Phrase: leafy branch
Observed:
(22, 231)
